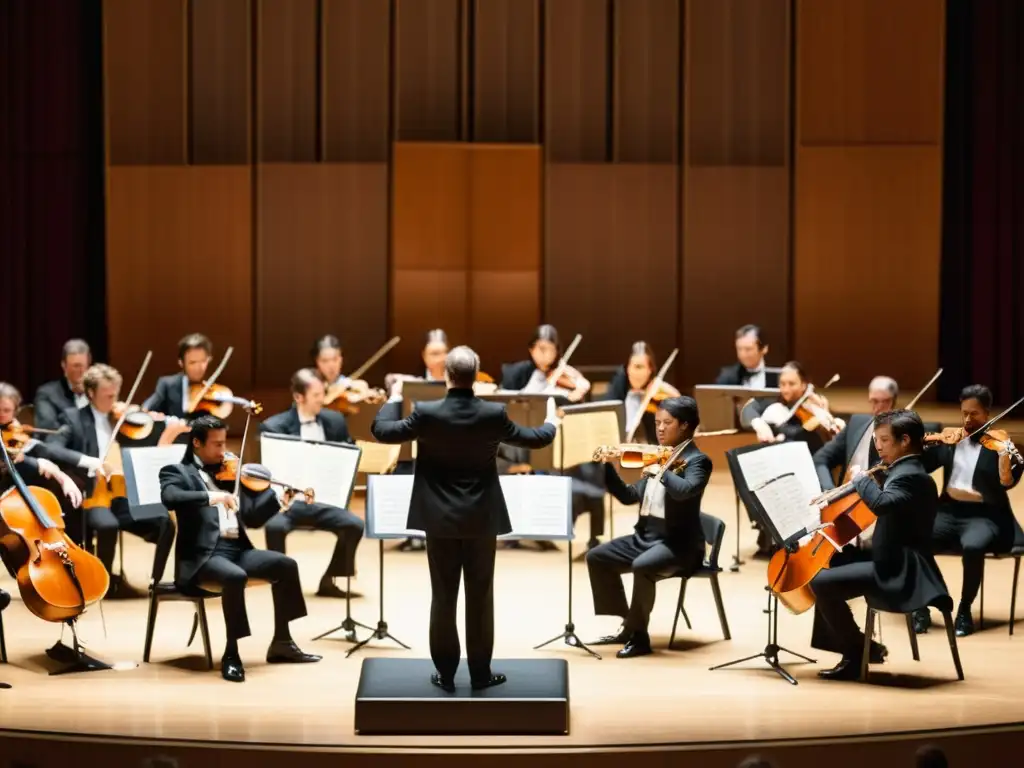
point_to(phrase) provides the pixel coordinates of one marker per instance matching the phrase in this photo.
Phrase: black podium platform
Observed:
(396, 697)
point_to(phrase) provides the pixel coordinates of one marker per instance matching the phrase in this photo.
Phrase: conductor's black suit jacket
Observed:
(456, 492)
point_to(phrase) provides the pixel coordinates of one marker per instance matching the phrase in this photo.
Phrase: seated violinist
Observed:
(172, 396)
(974, 514)
(749, 370)
(53, 397)
(631, 383)
(328, 359)
(212, 545)
(78, 446)
(532, 376)
(902, 572)
(785, 419)
(668, 537)
(309, 420)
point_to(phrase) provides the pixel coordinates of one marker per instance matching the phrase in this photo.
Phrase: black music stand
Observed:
(788, 544)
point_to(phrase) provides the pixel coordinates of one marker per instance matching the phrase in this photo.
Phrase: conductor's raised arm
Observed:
(386, 428)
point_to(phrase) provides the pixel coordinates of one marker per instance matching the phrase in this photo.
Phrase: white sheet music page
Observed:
(146, 464)
(330, 470)
(539, 506)
(387, 500)
(582, 432)
(787, 500)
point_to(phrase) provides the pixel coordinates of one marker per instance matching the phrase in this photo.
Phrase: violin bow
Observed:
(384, 349)
(810, 391)
(127, 406)
(211, 381)
(988, 424)
(925, 388)
(652, 390)
(241, 452)
(564, 362)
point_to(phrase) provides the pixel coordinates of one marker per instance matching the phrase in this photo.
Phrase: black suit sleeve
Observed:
(339, 426)
(829, 456)
(934, 457)
(257, 509)
(175, 492)
(618, 387)
(897, 494)
(526, 437)
(691, 482)
(617, 487)
(47, 413)
(158, 400)
(387, 429)
(57, 444)
(728, 377)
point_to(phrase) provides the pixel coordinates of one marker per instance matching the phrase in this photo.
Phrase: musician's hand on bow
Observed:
(838, 425)
(225, 499)
(762, 430)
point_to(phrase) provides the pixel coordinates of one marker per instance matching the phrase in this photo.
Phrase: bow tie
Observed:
(304, 423)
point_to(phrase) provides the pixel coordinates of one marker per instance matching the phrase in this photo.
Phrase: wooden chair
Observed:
(1016, 552)
(3, 642)
(943, 604)
(714, 533)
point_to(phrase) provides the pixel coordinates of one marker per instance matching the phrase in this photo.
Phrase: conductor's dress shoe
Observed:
(448, 686)
(488, 682)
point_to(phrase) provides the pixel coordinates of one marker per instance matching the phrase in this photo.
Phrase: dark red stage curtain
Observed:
(982, 333)
(51, 185)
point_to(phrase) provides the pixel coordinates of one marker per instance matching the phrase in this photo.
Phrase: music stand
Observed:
(412, 393)
(787, 543)
(530, 410)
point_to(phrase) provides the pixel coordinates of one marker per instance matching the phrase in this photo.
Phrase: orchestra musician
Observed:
(531, 376)
(77, 446)
(668, 536)
(630, 384)
(852, 450)
(172, 396)
(793, 386)
(458, 502)
(309, 420)
(212, 546)
(902, 572)
(974, 514)
(328, 359)
(55, 397)
(749, 369)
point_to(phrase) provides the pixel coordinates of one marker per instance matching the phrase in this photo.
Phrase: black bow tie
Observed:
(304, 423)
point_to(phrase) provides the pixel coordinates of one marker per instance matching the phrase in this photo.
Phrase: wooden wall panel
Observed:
(867, 262)
(333, 220)
(356, 80)
(220, 82)
(611, 257)
(145, 44)
(506, 71)
(647, 81)
(428, 70)
(167, 228)
(736, 230)
(287, 127)
(871, 71)
(737, 82)
(576, 85)
(422, 299)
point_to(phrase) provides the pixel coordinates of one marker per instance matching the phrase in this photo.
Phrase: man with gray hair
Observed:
(55, 397)
(458, 503)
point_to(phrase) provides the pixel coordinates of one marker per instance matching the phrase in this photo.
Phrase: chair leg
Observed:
(195, 627)
(3, 642)
(951, 635)
(1013, 594)
(682, 603)
(913, 637)
(154, 606)
(679, 608)
(204, 627)
(716, 589)
(981, 607)
(869, 630)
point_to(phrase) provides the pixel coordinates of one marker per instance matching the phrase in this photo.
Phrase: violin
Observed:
(844, 517)
(345, 398)
(657, 391)
(138, 424)
(640, 456)
(994, 439)
(562, 377)
(16, 435)
(257, 478)
(57, 579)
(812, 411)
(209, 396)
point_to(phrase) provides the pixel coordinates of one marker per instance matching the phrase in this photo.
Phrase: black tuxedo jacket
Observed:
(905, 505)
(52, 399)
(515, 376)
(76, 437)
(456, 491)
(287, 423)
(986, 476)
(838, 452)
(684, 491)
(167, 398)
(736, 375)
(183, 490)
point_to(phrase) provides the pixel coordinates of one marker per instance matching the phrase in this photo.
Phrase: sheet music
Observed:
(539, 507)
(328, 468)
(582, 432)
(142, 471)
(787, 500)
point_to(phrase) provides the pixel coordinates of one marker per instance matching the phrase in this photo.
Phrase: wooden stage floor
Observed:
(670, 697)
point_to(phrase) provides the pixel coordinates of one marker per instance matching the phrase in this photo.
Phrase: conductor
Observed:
(458, 503)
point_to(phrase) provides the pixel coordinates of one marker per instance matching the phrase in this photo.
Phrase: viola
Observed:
(57, 579)
(257, 478)
(844, 517)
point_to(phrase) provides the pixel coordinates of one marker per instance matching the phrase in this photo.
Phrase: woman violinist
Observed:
(631, 384)
(533, 375)
(343, 393)
(668, 537)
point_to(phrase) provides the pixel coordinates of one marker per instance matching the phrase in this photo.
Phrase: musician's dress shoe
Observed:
(848, 668)
(231, 669)
(287, 652)
(639, 644)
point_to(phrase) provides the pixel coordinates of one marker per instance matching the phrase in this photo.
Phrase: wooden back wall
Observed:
(626, 169)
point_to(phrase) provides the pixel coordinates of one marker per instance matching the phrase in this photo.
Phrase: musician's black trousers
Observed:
(821, 636)
(231, 565)
(973, 530)
(833, 588)
(322, 517)
(449, 560)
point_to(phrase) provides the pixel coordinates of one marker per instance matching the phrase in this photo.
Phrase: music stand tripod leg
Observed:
(568, 635)
(736, 561)
(381, 632)
(348, 625)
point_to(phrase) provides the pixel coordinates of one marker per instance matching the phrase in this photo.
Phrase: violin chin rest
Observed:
(256, 471)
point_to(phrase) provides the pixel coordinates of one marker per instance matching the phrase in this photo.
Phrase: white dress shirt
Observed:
(756, 378)
(310, 429)
(654, 496)
(81, 399)
(228, 520)
(961, 479)
(632, 403)
(861, 455)
(104, 430)
(538, 382)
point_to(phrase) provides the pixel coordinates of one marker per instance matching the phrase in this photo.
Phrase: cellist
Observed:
(78, 446)
(902, 572)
